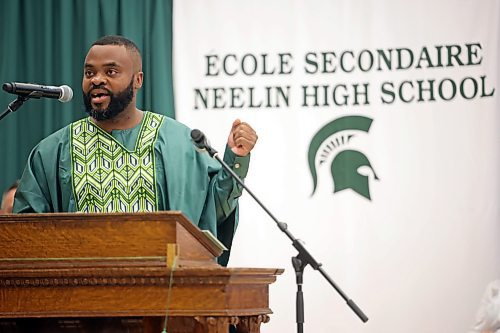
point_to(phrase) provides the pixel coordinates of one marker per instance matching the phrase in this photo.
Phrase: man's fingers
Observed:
(247, 143)
(242, 138)
(243, 130)
(236, 123)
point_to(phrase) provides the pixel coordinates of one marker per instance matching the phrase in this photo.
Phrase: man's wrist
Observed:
(239, 164)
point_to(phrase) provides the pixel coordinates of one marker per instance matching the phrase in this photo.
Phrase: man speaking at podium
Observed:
(122, 159)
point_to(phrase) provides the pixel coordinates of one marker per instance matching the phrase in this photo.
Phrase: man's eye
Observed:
(88, 73)
(112, 72)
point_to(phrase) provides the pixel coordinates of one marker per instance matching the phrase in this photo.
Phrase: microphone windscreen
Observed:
(67, 94)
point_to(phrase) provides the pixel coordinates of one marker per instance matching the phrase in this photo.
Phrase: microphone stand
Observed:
(14, 105)
(300, 261)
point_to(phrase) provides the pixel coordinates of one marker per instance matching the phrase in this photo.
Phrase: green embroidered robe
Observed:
(186, 180)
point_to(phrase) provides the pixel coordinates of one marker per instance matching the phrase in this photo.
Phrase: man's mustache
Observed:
(100, 87)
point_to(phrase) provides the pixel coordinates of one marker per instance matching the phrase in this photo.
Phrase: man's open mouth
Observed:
(99, 96)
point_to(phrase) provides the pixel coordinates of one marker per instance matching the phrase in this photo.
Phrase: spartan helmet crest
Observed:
(346, 163)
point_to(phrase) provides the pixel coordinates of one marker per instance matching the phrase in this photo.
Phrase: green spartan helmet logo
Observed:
(345, 164)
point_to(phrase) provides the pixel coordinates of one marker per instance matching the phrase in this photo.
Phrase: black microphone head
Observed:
(8, 87)
(198, 138)
(201, 142)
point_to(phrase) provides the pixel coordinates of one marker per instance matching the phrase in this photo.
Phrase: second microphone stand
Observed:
(301, 260)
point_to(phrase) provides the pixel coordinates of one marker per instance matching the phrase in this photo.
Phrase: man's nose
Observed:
(98, 79)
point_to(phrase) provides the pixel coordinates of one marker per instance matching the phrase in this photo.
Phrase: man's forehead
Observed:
(111, 55)
(107, 51)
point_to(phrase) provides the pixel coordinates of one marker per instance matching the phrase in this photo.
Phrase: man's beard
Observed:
(117, 102)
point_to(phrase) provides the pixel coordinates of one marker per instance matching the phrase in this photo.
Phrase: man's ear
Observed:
(138, 77)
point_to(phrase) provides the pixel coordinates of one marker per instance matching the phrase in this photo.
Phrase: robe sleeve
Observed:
(33, 191)
(197, 185)
(45, 184)
(227, 189)
(226, 193)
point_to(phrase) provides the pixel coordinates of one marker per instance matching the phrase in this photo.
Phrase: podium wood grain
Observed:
(110, 273)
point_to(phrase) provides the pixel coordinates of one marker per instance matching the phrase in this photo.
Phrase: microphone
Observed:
(63, 93)
(200, 141)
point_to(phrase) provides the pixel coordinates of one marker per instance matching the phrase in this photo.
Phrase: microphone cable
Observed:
(169, 293)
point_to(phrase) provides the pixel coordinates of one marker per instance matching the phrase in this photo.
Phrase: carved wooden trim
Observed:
(27, 281)
(197, 324)
(73, 282)
(251, 324)
(216, 324)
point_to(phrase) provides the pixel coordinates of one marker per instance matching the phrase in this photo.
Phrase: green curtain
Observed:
(45, 42)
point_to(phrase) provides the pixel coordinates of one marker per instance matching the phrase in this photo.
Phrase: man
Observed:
(8, 199)
(122, 159)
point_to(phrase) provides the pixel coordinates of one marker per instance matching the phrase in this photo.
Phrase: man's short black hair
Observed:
(118, 40)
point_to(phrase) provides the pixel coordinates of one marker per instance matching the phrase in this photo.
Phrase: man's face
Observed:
(8, 202)
(110, 81)
(118, 101)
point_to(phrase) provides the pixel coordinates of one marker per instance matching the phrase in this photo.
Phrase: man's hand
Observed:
(242, 138)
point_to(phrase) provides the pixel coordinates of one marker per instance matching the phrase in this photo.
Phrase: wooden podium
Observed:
(112, 273)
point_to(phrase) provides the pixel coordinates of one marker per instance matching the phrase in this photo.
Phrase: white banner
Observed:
(378, 126)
